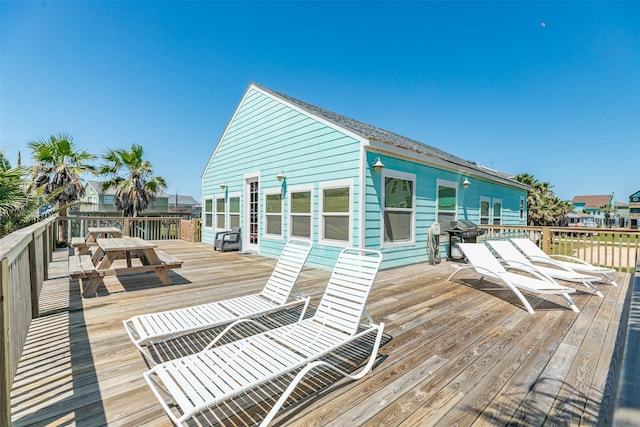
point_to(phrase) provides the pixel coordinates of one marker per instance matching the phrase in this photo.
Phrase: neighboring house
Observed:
(622, 212)
(594, 205)
(183, 204)
(284, 168)
(580, 219)
(96, 200)
(634, 209)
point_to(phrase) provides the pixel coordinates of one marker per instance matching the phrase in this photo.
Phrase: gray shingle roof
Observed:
(384, 136)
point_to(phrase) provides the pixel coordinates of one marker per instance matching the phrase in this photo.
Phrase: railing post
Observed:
(546, 239)
(195, 230)
(33, 276)
(5, 354)
(125, 227)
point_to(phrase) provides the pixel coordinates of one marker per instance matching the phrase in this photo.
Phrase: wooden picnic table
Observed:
(94, 233)
(103, 261)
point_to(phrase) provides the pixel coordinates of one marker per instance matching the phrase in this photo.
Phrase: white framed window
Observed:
(273, 214)
(221, 213)
(108, 199)
(497, 212)
(234, 211)
(336, 216)
(300, 212)
(398, 208)
(522, 207)
(446, 202)
(485, 210)
(208, 213)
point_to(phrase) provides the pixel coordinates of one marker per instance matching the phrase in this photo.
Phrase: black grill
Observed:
(462, 231)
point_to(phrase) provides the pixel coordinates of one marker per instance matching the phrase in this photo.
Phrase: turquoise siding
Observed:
(425, 211)
(266, 136)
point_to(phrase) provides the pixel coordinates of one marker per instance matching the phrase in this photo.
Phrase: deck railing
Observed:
(148, 228)
(24, 260)
(616, 248)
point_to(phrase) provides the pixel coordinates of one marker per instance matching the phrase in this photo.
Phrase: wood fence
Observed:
(24, 260)
(148, 228)
(617, 248)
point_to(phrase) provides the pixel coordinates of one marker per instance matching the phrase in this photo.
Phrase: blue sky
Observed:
(482, 80)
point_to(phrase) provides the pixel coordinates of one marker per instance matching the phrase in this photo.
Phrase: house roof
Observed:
(594, 202)
(183, 200)
(373, 133)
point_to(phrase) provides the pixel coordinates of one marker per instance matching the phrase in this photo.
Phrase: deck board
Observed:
(459, 353)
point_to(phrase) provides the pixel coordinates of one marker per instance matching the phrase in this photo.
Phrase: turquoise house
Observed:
(284, 168)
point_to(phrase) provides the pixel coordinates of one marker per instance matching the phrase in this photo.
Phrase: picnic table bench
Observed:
(103, 262)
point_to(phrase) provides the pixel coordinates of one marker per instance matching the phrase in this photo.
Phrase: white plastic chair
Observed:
(514, 258)
(276, 295)
(535, 254)
(194, 383)
(487, 265)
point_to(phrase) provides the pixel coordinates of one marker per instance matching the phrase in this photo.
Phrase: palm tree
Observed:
(57, 170)
(137, 187)
(19, 207)
(543, 207)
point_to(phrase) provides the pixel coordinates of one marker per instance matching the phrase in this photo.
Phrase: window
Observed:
(273, 214)
(484, 210)
(220, 213)
(398, 207)
(446, 203)
(497, 212)
(108, 199)
(335, 223)
(208, 213)
(300, 214)
(521, 207)
(234, 212)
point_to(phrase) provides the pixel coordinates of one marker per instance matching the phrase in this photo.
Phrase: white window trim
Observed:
(408, 177)
(216, 213)
(523, 210)
(237, 194)
(493, 217)
(212, 212)
(489, 216)
(300, 189)
(446, 183)
(325, 186)
(265, 193)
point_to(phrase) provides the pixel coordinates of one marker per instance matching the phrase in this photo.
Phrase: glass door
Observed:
(253, 208)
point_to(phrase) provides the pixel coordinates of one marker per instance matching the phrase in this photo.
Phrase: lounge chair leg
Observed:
(572, 305)
(596, 291)
(283, 398)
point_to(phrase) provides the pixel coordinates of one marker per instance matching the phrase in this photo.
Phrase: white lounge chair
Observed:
(487, 265)
(535, 254)
(276, 295)
(514, 258)
(192, 384)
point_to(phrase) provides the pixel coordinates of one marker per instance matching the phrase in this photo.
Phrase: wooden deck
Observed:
(453, 354)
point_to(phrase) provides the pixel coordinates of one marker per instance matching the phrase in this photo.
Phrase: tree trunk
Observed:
(62, 225)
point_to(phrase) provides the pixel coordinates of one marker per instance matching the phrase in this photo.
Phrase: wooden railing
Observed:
(24, 260)
(148, 228)
(617, 248)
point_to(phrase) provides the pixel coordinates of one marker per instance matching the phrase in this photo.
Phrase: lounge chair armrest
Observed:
(531, 270)
(231, 326)
(569, 258)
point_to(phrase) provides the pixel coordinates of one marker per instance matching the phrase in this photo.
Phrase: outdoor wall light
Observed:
(223, 186)
(281, 176)
(378, 165)
(465, 182)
